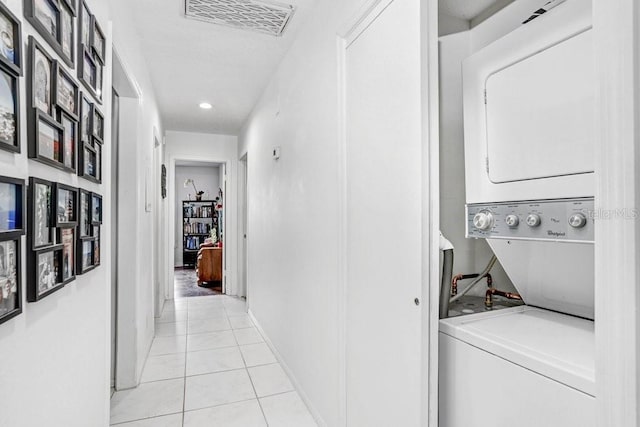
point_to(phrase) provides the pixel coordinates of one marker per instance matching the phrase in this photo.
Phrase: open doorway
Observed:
(199, 251)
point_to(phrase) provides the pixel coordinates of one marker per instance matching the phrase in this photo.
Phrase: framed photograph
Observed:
(41, 66)
(70, 133)
(10, 286)
(9, 111)
(53, 20)
(87, 165)
(66, 92)
(68, 254)
(67, 33)
(98, 165)
(98, 125)
(47, 141)
(66, 206)
(86, 18)
(40, 215)
(88, 74)
(71, 5)
(10, 40)
(84, 255)
(96, 209)
(45, 273)
(163, 182)
(12, 197)
(98, 42)
(96, 248)
(86, 115)
(84, 219)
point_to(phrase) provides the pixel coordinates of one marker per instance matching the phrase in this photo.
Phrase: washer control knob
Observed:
(533, 220)
(483, 220)
(577, 220)
(512, 220)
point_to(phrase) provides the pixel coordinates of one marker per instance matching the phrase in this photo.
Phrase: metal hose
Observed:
(445, 285)
(477, 280)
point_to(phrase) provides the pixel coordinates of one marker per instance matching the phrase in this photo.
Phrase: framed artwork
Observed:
(98, 165)
(86, 18)
(67, 237)
(71, 5)
(98, 42)
(70, 134)
(10, 40)
(86, 115)
(53, 20)
(163, 182)
(84, 257)
(9, 111)
(96, 247)
(66, 202)
(41, 85)
(66, 92)
(96, 209)
(45, 273)
(10, 277)
(41, 228)
(88, 163)
(84, 219)
(12, 212)
(98, 125)
(47, 141)
(87, 72)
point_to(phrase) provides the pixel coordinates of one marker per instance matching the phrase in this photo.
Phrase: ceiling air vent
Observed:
(254, 15)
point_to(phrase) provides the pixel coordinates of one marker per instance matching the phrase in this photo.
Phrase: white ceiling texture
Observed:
(192, 61)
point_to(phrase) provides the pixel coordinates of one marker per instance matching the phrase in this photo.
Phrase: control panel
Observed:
(568, 220)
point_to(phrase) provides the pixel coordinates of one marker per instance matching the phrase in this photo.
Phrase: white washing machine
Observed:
(529, 102)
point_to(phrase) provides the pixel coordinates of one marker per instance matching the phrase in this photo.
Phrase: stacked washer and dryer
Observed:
(529, 130)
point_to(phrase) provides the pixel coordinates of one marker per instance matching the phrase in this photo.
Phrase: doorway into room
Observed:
(199, 228)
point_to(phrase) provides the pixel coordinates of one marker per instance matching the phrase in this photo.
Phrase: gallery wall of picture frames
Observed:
(65, 64)
(64, 234)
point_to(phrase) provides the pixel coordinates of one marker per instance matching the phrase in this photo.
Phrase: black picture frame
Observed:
(46, 141)
(45, 272)
(47, 18)
(12, 210)
(71, 4)
(88, 73)
(96, 209)
(67, 33)
(66, 206)
(68, 264)
(40, 87)
(69, 142)
(98, 41)
(163, 181)
(96, 247)
(10, 278)
(84, 255)
(85, 128)
(40, 213)
(97, 125)
(9, 121)
(86, 18)
(11, 43)
(66, 92)
(87, 163)
(85, 227)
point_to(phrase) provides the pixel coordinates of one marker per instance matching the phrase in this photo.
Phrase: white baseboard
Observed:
(314, 412)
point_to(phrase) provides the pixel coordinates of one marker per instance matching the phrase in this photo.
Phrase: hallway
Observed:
(208, 365)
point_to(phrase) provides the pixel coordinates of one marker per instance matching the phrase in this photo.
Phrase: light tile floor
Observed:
(209, 366)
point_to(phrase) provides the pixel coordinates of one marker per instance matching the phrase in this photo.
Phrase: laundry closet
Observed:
(517, 134)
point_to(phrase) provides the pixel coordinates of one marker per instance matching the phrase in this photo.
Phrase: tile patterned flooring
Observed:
(209, 366)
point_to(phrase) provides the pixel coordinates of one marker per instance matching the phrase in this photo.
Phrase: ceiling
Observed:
(470, 10)
(197, 163)
(192, 61)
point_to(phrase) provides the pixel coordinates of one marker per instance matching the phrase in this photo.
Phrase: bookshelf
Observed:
(198, 218)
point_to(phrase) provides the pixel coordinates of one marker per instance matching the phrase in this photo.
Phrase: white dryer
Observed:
(529, 102)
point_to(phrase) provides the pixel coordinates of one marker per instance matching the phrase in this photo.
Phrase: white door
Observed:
(383, 172)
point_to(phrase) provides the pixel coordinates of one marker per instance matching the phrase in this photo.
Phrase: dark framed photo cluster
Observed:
(91, 140)
(54, 103)
(54, 21)
(12, 228)
(53, 218)
(88, 242)
(92, 48)
(10, 72)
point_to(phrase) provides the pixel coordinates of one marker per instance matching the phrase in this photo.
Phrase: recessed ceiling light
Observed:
(206, 106)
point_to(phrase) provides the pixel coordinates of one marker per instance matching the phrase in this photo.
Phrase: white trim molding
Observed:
(617, 248)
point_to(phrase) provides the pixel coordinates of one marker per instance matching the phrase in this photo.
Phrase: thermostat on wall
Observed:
(275, 153)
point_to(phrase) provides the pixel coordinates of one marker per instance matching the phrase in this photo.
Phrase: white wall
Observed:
(140, 125)
(55, 355)
(207, 179)
(208, 148)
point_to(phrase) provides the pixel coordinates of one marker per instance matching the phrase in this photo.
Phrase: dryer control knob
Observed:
(512, 221)
(483, 220)
(533, 220)
(577, 220)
